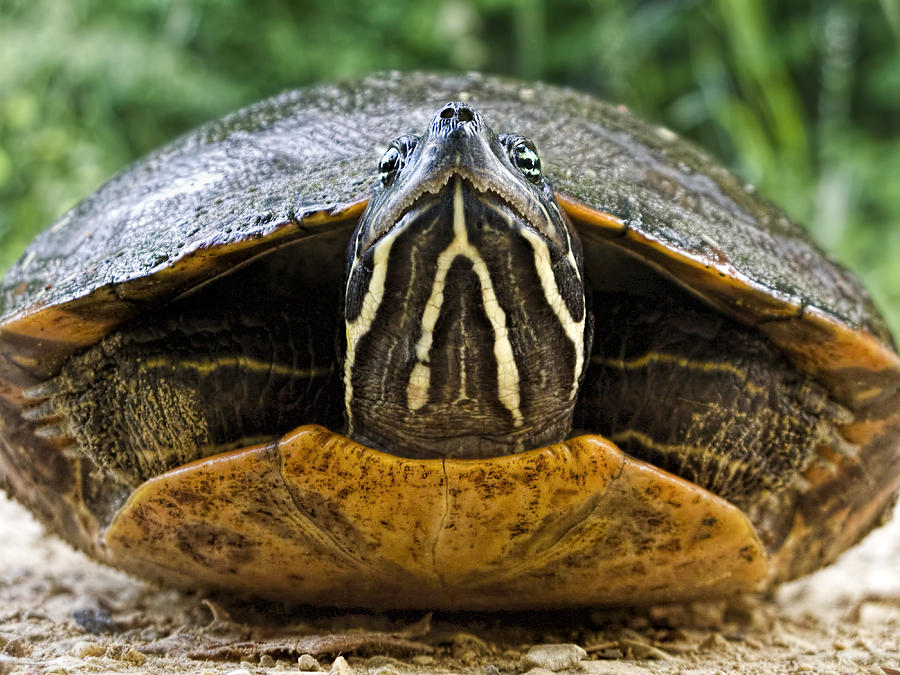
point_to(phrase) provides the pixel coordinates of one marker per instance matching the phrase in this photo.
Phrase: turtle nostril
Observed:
(456, 119)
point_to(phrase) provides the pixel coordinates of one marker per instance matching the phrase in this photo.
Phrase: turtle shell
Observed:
(316, 517)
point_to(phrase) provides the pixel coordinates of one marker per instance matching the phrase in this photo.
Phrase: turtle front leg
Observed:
(198, 379)
(704, 397)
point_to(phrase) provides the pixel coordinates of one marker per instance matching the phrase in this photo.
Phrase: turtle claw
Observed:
(843, 447)
(823, 464)
(840, 415)
(59, 437)
(52, 432)
(41, 412)
(833, 449)
(800, 484)
(40, 392)
(44, 413)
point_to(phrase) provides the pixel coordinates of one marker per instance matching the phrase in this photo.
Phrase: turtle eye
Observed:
(394, 158)
(524, 156)
(388, 165)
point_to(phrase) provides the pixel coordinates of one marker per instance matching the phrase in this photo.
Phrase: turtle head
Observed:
(501, 172)
(464, 307)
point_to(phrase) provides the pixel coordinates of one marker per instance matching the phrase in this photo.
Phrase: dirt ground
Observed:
(61, 613)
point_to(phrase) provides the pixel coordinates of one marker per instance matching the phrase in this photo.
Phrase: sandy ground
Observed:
(61, 613)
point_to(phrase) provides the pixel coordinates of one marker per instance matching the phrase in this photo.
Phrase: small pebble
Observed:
(385, 670)
(641, 650)
(715, 641)
(463, 643)
(341, 667)
(381, 660)
(266, 661)
(84, 648)
(134, 657)
(423, 660)
(95, 621)
(553, 657)
(878, 614)
(308, 663)
(794, 643)
(149, 634)
(492, 670)
(16, 647)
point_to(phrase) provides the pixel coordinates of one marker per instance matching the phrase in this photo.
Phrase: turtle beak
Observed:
(458, 142)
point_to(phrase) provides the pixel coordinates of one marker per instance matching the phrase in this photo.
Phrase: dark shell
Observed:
(276, 164)
(303, 163)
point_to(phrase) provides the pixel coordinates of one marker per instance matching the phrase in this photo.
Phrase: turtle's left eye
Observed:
(524, 156)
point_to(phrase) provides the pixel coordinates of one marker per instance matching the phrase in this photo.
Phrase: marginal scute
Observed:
(319, 518)
(42, 337)
(815, 339)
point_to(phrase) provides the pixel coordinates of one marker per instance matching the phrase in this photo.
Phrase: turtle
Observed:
(444, 341)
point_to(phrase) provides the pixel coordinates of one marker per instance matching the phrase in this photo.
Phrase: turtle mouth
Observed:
(520, 205)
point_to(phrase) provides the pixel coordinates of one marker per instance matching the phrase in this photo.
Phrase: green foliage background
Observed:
(800, 98)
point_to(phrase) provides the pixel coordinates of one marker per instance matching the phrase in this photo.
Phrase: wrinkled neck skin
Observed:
(465, 322)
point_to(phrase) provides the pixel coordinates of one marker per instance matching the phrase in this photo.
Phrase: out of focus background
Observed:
(802, 99)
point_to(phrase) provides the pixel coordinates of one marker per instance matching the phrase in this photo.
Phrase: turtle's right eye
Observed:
(389, 165)
(394, 158)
